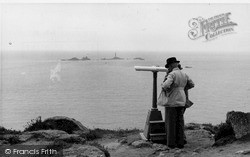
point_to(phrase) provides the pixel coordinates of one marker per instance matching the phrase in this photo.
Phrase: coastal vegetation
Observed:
(69, 136)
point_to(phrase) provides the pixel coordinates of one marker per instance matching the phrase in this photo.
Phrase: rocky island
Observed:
(114, 58)
(76, 59)
(86, 58)
(70, 138)
(139, 58)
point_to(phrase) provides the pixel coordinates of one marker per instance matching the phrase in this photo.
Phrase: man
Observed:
(174, 85)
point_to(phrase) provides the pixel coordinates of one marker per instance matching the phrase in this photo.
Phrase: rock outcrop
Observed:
(139, 58)
(141, 143)
(50, 136)
(237, 126)
(243, 152)
(83, 151)
(85, 58)
(66, 124)
(240, 123)
(70, 144)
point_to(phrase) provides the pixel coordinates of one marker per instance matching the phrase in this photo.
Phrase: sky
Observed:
(119, 27)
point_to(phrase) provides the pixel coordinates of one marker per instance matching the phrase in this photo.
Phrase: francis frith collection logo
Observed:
(212, 27)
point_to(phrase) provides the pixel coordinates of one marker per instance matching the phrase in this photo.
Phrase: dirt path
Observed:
(199, 145)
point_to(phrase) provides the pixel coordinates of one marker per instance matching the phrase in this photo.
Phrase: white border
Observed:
(126, 1)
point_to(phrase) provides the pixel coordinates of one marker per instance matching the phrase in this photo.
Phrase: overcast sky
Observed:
(117, 27)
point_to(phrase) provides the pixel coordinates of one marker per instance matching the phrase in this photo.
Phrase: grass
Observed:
(223, 130)
(99, 133)
(12, 139)
(36, 124)
(102, 148)
(4, 131)
(209, 127)
(62, 124)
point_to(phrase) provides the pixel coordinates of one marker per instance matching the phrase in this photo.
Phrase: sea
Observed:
(111, 94)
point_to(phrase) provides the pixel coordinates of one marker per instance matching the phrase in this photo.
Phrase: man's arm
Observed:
(170, 79)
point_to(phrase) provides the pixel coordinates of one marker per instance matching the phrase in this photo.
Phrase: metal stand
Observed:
(155, 126)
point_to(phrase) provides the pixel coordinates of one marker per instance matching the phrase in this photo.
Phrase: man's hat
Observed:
(170, 61)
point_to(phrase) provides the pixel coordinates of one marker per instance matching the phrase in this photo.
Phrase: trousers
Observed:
(174, 124)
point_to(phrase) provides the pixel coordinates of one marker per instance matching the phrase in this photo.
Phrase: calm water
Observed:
(111, 94)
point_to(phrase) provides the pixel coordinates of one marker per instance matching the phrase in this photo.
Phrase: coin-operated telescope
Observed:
(155, 126)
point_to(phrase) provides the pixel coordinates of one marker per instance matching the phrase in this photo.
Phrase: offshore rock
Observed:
(66, 124)
(240, 123)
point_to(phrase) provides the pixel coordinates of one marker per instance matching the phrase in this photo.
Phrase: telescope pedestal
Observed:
(155, 126)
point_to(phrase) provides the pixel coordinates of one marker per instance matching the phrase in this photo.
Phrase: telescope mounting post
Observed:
(154, 97)
(155, 126)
